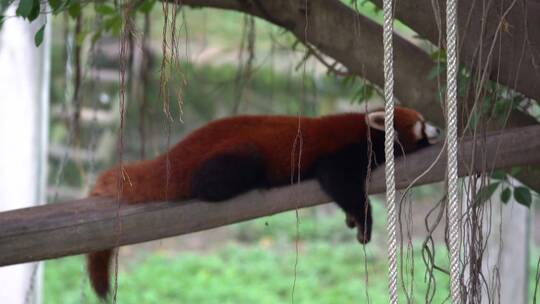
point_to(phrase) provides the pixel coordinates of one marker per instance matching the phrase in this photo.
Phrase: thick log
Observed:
(91, 224)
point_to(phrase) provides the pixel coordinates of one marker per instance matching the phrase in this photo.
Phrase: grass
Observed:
(241, 274)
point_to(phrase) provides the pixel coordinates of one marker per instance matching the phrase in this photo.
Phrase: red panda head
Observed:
(413, 132)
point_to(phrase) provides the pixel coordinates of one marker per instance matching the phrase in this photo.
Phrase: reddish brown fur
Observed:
(404, 121)
(99, 264)
(272, 136)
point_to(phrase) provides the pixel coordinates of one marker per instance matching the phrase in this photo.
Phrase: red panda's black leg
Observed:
(342, 175)
(350, 221)
(225, 176)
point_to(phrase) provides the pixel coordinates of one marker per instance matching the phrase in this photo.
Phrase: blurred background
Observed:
(222, 64)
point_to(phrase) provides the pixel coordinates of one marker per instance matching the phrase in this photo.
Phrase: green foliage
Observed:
(495, 101)
(113, 23)
(499, 175)
(28, 9)
(523, 196)
(4, 4)
(515, 171)
(74, 9)
(506, 194)
(363, 89)
(439, 57)
(146, 6)
(57, 5)
(485, 192)
(38, 38)
(439, 69)
(105, 9)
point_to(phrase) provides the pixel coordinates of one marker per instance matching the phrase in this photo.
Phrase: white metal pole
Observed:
(24, 89)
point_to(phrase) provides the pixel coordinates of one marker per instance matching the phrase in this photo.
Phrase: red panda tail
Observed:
(98, 264)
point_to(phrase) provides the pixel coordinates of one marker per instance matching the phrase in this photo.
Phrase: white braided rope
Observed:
(389, 149)
(451, 127)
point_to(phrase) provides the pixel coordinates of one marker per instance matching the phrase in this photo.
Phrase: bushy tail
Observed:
(99, 264)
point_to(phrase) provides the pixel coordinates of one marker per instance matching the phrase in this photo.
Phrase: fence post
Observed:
(24, 86)
(505, 263)
(513, 251)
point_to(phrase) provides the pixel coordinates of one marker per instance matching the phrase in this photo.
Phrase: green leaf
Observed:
(34, 12)
(56, 5)
(96, 36)
(501, 106)
(4, 4)
(505, 195)
(523, 196)
(25, 8)
(499, 174)
(436, 70)
(38, 37)
(74, 10)
(113, 24)
(438, 55)
(364, 93)
(486, 192)
(147, 6)
(79, 38)
(105, 9)
(515, 170)
(348, 80)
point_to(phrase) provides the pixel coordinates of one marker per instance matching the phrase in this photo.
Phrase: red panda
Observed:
(233, 155)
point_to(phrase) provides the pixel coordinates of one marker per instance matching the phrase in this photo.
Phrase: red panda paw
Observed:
(362, 235)
(350, 221)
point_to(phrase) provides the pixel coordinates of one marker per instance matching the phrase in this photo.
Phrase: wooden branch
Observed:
(355, 41)
(91, 224)
(502, 34)
(352, 39)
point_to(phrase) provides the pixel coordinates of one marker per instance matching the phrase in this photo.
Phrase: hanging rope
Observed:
(451, 127)
(389, 149)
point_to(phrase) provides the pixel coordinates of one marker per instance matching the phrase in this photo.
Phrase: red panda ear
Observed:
(375, 120)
